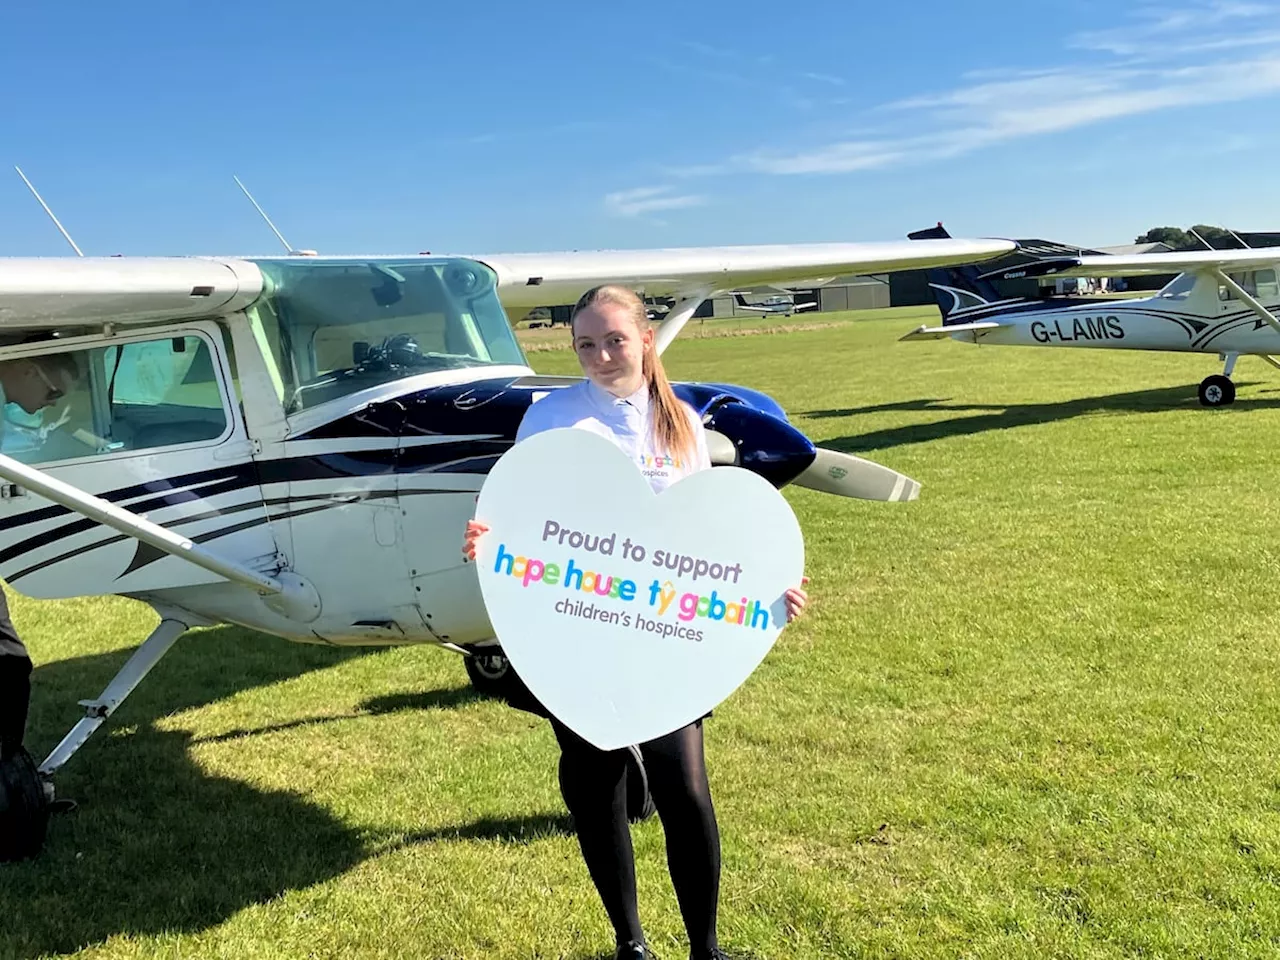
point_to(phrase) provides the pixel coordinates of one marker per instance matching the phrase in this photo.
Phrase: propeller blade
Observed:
(721, 449)
(848, 476)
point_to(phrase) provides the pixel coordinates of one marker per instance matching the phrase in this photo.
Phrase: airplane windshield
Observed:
(1179, 287)
(335, 327)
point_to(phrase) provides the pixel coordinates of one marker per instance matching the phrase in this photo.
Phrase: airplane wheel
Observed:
(24, 809)
(491, 672)
(492, 675)
(1217, 391)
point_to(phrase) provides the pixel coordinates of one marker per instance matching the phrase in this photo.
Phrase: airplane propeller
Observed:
(848, 476)
(833, 472)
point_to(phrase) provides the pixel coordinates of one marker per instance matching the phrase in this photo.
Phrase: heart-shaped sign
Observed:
(630, 614)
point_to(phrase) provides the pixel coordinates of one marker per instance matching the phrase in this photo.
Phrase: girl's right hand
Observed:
(474, 529)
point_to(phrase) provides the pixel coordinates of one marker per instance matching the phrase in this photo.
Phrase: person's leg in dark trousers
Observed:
(15, 696)
(677, 771)
(15, 684)
(594, 786)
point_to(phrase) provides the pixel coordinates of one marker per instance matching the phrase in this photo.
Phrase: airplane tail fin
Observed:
(955, 289)
(740, 300)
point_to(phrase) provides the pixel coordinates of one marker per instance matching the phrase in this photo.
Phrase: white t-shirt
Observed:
(627, 421)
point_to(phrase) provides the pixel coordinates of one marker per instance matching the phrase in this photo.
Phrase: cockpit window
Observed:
(1257, 283)
(336, 327)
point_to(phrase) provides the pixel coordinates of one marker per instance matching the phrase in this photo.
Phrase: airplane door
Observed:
(346, 538)
(146, 421)
(440, 478)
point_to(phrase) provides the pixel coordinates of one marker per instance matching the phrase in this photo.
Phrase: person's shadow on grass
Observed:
(979, 418)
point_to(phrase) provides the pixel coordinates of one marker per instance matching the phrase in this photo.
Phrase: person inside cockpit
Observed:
(32, 383)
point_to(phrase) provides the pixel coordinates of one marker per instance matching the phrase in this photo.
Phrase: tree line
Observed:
(1216, 237)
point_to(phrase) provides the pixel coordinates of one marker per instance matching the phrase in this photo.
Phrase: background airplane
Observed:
(1220, 302)
(783, 303)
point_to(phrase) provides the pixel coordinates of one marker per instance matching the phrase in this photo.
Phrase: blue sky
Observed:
(400, 126)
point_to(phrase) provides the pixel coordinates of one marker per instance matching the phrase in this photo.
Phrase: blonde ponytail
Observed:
(671, 427)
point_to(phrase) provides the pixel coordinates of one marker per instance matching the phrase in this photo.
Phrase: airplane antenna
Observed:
(61, 229)
(280, 236)
(1192, 231)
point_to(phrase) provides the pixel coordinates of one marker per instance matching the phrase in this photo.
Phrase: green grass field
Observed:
(1033, 714)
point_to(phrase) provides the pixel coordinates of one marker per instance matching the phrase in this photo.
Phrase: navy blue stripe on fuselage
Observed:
(985, 311)
(468, 456)
(171, 484)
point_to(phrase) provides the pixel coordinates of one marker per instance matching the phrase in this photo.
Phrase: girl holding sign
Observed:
(626, 397)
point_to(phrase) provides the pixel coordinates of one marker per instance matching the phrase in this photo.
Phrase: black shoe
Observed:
(633, 950)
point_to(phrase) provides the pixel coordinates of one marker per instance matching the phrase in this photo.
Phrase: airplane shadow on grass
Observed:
(159, 845)
(1004, 416)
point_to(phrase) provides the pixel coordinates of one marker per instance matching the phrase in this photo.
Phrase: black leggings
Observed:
(593, 783)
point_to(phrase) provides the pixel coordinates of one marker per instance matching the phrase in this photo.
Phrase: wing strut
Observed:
(117, 518)
(678, 316)
(287, 594)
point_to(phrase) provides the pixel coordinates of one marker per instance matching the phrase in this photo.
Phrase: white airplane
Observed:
(1221, 302)
(294, 444)
(783, 303)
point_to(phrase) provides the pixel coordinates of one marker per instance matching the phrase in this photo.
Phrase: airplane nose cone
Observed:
(763, 443)
(751, 431)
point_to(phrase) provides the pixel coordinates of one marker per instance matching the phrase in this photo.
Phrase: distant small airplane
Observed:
(1204, 309)
(777, 303)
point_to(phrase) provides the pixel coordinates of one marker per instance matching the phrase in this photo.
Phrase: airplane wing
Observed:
(1139, 264)
(536, 279)
(54, 291)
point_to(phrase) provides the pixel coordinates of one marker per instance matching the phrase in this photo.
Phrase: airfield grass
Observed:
(1033, 714)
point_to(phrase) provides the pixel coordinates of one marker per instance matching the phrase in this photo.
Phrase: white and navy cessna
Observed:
(1220, 301)
(294, 444)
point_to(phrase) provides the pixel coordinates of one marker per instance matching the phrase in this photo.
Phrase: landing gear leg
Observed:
(1219, 391)
(131, 674)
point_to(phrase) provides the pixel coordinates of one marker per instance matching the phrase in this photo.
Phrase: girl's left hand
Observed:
(796, 599)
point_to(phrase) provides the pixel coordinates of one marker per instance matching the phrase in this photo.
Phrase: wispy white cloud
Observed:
(643, 200)
(984, 115)
(696, 170)
(999, 105)
(733, 69)
(1157, 25)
